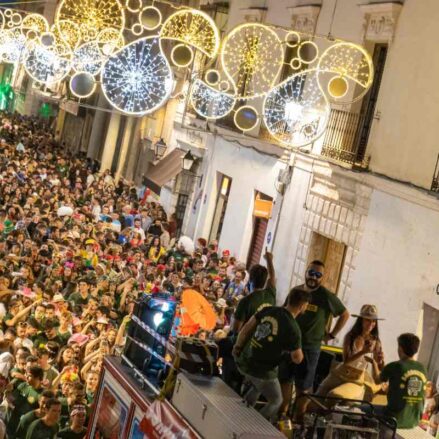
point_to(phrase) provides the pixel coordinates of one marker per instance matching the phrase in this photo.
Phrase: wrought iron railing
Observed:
(435, 180)
(342, 136)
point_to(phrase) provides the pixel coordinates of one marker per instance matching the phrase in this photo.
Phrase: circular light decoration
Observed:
(182, 55)
(212, 77)
(137, 79)
(12, 46)
(92, 16)
(82, 84)
(308, 52)
(44, 64)
(47, 39)
(34, 22)
(133, 5)
(252, 58)
(137, 29)
(210, 103)
(88, 58)
(194, 28)
(292, 39)
(68, 32)
(109, 41)
(224, 85)
(16, 19)
(295, 111)
(150, 18)
(246, 118)
(295, 64)
(350, 62)
(338, 87)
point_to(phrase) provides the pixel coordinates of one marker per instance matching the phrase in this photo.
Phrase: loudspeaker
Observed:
(197, 356)
(157, 313)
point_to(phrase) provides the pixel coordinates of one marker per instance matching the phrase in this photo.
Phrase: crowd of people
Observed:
(77, 249)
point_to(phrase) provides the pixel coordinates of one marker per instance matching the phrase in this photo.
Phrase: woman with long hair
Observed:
(361, 344)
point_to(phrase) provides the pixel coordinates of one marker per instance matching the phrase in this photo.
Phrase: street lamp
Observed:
(188, 161)
(160, 148)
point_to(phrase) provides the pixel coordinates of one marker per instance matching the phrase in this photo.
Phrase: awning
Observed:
(165, 170)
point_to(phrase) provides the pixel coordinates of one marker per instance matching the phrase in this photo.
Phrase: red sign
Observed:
(161, 422)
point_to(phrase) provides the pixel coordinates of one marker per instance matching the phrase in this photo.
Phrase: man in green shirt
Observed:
(27, 419)
(76, 430)
(262, 294)
(313, 322)
(261, 343)
(47, 426)
(81, 295)
(407, 379)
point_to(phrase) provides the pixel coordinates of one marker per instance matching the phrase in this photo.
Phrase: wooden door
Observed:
(257, 242)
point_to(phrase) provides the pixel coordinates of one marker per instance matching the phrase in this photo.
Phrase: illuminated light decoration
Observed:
(246, 118)
(60, 46)
(252, 57)
(224, 85)
(88, 58)
(12, 46)
(47, 39)
(133, 5)
(44, 64)
(296, 112)
(295, 64)
(137, 29)
(338, 87)
(210, 103)
(308, 52)
(16, 19)
(68, 32)
(137, 79)
(182, 55)
(194, 28)
(292, 39)
(110, 41)
(82, 84)
(350, 62)
(92, 16)
(212, 77)
(34, 22)
(150, 18)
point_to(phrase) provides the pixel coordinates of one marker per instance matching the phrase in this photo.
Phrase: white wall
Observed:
(250, 171)
(397, 265)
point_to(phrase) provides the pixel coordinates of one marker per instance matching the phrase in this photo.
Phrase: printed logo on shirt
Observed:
(266, 329)
(312, 308)
(414, 381)
(261, 307)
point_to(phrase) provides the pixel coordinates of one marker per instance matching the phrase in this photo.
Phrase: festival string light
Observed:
(92, 16)
(345, 67)
(210, 103)
(137, 79)
(88, 58)
(194, 28)
(252, 57)
(296, 112)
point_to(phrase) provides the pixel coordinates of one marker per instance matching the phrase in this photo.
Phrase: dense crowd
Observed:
(77, 249)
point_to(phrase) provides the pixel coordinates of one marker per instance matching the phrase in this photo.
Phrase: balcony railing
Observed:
(342, 136)
(435, 181)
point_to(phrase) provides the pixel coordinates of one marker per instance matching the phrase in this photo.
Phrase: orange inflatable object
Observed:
(197, 310)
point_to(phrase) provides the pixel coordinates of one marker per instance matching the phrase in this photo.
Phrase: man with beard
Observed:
(323, 305)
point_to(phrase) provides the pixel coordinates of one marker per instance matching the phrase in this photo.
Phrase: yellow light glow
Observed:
(150, 18)
(68, 32)
(312, 48)
(182, 55)
(92, 16)
(292, 39)
(252, 58)
(212, 77)
(192, 27)
(349, 61)
(34, 22)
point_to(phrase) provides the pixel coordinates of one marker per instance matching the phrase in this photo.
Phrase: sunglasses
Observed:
(316, 274)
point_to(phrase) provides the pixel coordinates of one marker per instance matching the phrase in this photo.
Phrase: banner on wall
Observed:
(161, 422)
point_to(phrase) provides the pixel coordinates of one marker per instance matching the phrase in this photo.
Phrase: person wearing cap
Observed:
(76, 428)
(313, 323)
(361, 344)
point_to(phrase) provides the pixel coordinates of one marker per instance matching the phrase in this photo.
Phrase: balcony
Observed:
(344, 139)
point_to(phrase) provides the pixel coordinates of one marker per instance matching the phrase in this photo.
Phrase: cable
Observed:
(330, 37)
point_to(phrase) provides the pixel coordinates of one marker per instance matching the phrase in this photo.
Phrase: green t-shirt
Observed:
(39, 430)
(30, 395)
(249, 305)
(68, 433)
(276, 332)
(77, 299)
(313, 321)
(25, 421)
(407, 379)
